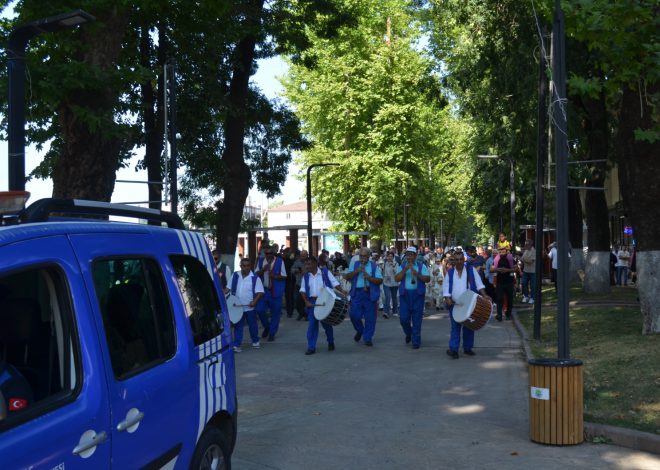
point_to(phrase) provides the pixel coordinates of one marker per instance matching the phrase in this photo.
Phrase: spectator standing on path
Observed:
(390, 286)
(412, 276)
(365, 278)
(314, 280)
(490, 274)
(289, 256)
(437, 278)
(622, 263)
(504, 267)
(552, 254)
(247, 287)
(224, 271)
(529, 272)
(297, 270)
(272, 273)
(613, 260)
(459, 279)
(340, 262)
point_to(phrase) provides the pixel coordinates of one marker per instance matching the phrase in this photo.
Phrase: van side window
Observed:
(137, 317)
(199, 297)
(38, 360)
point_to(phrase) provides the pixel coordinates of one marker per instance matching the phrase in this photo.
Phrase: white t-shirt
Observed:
(553, 256)
(460, 283)
(316, 283)
(272, 266)
(623, 262)
(244, 289)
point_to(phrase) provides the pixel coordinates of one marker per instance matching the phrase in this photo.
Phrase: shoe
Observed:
(237, 349)
(271, 338)
(357, 336)
(256, 345)
(530, 301)
(300, 317)
(331, 346)
(385, 315)
(524, 299)
(408, 339)
(452, 354)
(499, 317)
(469, 353)
(264, 334)
(508, 317)
(309, 352)
(368, 343)
(415, 346)
(395, 314)
(437, 309)
(381, 309)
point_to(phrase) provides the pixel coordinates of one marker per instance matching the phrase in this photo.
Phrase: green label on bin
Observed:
(540, 393)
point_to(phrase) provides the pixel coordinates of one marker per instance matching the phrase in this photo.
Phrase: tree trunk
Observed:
(153, 115)
(237, 178)
(86, 167)
(575, 228)
(639, 166)
(596, 126)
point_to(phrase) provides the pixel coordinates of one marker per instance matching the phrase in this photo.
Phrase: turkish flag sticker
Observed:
(17, 404)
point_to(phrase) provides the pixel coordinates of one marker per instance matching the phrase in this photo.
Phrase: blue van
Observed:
(115, 342)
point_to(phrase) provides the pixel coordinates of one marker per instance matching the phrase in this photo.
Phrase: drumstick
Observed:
(241, 305)
(319, 305)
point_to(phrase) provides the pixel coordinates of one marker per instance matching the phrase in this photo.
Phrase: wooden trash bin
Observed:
(555, 401)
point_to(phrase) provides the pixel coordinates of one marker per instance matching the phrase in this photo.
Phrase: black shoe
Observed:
(300, 317)
(499, 317)
(452, 354)
(271, 338)
(264, 334)
(309, 352)
(368, 343)
(415, 346)
(385, 315)
(469, 353)
(408, 339)
(331, 346)
(357, 336)
(508, 317)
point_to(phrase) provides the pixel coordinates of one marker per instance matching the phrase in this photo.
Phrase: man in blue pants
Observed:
(459, 279)
(365, 278)
(412, 276)
(272, 273)
(313, 281)
(248, 288)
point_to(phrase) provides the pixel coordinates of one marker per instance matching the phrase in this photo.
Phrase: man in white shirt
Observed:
(622, 264)
(272, 272)
(459, 279)
(247, 287)
(314, 280)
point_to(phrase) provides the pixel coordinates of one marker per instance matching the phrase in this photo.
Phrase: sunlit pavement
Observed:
(391, 407)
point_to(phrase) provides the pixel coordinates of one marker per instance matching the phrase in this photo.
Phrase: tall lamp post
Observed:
(512, 189)
(18, 40)
(309, 202)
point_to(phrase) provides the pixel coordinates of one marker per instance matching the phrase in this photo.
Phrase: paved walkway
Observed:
(391, 407)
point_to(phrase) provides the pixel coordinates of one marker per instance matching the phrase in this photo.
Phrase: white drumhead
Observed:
(464, 306)
(235, 308)
(324, 303)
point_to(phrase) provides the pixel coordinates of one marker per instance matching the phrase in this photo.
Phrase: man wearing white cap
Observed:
(412, 276)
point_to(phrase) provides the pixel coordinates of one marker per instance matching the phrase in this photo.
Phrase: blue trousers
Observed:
(313, 329)
(411, 315)
(363, 309)
(455, 338)
(251, 318)
(391, 297)
(528, 284)
(622, 275)
(274, 304)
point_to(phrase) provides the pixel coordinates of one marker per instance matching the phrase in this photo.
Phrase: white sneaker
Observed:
(237, 349)
(256, 345)
(530, 301)
(524, 299)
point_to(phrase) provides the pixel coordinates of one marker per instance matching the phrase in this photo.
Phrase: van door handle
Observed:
(130, 424)
(88, 442)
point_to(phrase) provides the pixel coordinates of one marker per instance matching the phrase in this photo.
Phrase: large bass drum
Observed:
(472, 310)
(330, 308)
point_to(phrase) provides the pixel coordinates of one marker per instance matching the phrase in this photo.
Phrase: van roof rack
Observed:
(40, 210)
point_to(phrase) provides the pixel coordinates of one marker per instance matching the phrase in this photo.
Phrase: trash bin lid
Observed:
(555, 362)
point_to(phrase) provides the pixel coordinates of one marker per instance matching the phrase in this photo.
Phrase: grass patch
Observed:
(621, 366)
(617, 294)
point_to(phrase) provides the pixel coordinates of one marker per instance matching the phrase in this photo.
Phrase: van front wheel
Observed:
(211, 452)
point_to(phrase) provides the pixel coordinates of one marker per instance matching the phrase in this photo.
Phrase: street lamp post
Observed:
(309, 203)
(405, 223)
(512, 189)
(18, 39)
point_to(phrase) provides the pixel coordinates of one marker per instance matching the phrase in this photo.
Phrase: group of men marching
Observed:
(260, 293)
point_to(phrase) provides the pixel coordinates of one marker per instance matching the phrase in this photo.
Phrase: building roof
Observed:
(300, 206)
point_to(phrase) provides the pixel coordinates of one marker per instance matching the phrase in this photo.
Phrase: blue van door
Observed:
(152, 386)
(51, 370)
